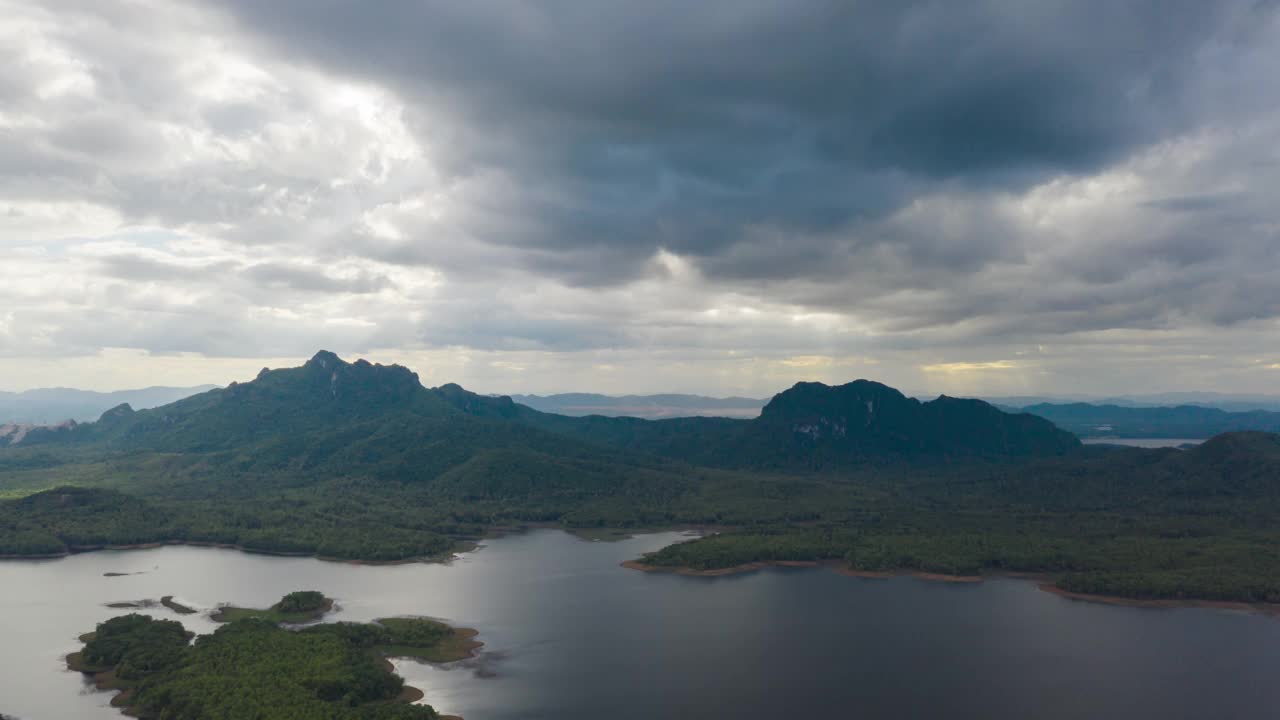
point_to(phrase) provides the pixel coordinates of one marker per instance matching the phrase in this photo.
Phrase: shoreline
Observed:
(920, 574)
(412, 695)
(1272, 609)
(833, 565)
(230, 613)
(1044, 583)
(463, 546)
(104, 679)
(720, 572)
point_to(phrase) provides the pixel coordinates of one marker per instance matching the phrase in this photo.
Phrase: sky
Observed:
(724, 197)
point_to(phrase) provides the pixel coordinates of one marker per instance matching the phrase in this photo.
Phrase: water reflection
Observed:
(570, 635)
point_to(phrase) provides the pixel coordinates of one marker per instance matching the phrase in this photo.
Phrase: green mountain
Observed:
(356, 460)
(322, 394)
(867, 419)
(811, 426)
(334, 414)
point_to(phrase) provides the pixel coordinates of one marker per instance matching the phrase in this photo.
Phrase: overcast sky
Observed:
(996, 197)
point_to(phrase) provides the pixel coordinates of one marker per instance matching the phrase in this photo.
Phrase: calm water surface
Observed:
(571, 636)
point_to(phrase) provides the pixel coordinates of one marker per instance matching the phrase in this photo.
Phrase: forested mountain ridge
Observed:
(360, 461)
(867, 418)
(810, 426)
(321, 394)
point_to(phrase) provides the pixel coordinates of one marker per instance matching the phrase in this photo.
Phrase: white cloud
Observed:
(186, 196)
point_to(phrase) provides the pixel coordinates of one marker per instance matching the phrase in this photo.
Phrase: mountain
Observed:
(1184, 421)
(813, 426)
(651, 407)
(332, 419)
(324, 393)
(351, 460)
(49, 406)
(865, 418)
(360, 461)
(320, 412)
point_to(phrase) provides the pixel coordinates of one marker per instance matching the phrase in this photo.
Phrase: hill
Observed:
(1183, 421)
(813, 426)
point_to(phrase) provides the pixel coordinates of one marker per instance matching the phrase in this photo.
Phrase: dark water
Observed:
(571, 636)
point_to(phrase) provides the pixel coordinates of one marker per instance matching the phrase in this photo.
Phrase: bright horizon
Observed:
(181, 368)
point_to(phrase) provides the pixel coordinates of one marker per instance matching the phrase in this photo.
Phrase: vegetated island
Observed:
(301, 606)
(166, 601)
(253, 667)
(177, 607)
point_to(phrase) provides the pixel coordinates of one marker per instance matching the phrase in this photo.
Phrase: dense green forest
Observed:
(254, 668)
(359, 461)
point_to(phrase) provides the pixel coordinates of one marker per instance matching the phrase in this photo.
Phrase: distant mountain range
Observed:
(1231, 402)
(1184, 421)
(652, 407)
(49, 406)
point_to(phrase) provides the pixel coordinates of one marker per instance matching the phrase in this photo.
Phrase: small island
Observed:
(254, 665)
(177, 607)
(297, 607)
(166, 601)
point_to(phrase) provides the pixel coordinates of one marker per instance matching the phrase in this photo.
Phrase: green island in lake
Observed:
(296, 607)
(251, 666)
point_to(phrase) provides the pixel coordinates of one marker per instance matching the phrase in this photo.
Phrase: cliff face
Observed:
(12, 433)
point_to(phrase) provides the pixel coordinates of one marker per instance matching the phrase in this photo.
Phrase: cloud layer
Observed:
(719, 197)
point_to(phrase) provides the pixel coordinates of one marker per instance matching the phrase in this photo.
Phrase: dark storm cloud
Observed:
(632, 126)
(921, 183)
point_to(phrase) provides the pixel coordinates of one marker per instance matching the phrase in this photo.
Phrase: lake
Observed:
(570, 635)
